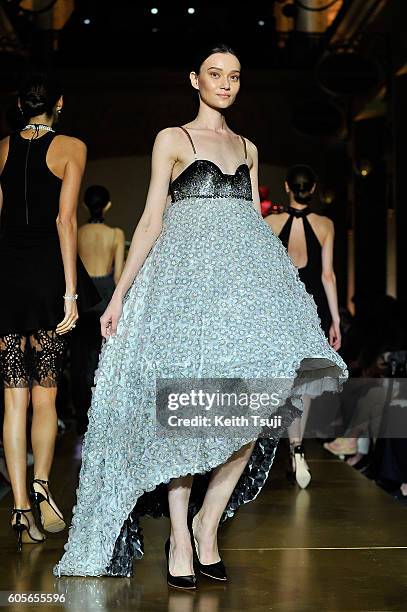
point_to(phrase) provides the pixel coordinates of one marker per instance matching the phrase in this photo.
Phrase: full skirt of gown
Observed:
(217, 296)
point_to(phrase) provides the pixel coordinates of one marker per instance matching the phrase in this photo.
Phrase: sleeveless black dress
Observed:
(32, 277)
(310, 274)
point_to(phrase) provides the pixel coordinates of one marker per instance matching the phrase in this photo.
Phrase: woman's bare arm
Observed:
(254, 174)
(329, 282)
(148, 228)
(150, 225)
(66, 222)
(328, 275)
(118, 262)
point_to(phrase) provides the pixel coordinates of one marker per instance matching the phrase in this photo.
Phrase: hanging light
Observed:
(363, 167)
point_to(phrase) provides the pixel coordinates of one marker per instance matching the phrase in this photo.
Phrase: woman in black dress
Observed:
(309, 239)
(41, 280)
(101, 248)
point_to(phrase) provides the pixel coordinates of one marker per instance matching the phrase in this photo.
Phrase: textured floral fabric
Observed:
(217, 296)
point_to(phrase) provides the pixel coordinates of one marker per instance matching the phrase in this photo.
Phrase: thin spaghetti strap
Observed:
(190, 139)
(244, 144)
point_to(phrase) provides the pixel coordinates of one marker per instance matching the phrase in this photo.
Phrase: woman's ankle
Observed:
(180, 537)
(41, 476)
(23, 503)
(208, 523)
(25, 518)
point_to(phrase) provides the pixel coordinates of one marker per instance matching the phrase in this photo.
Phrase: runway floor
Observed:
(339, 545)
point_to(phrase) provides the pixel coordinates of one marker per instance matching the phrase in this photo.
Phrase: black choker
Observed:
(96, 220)
(296, 212)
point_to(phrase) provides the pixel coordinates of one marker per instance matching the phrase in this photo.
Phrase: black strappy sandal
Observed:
(51, 519)
(23, 530)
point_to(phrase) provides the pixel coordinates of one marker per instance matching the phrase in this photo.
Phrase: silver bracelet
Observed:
(71, 297)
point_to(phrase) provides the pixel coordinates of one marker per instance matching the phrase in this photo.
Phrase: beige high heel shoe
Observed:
(342, 447)
(298, 470)
(51, 519)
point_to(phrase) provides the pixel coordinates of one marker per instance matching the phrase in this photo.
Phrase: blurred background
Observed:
(323, 82)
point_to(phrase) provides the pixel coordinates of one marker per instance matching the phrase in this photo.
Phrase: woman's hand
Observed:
(71, 316)
(110, 318)
(335, 336)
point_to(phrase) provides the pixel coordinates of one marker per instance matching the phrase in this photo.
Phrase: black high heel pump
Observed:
(51, 519)
(179, 582)
(217, 570)
(23, 530)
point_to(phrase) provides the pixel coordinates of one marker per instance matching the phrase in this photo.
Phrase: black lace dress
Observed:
(32, 277)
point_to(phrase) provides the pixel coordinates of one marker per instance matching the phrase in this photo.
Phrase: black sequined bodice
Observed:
(204, 179)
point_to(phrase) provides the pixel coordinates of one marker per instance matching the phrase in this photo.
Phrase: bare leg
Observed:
(16, 402)
(43, 433)
(180, 558)
(15, 442)
(296, 433)
(222, 483)
(297, 427)
(220, 488)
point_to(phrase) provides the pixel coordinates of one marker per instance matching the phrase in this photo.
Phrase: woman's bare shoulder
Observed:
(281, 215)
(276, 219)
(250, 143)
(70, 142)
(252, 152)
(67, 149)
(119, 233)
(251, 147)
(169, 136)
(169, 143)
(322, 220)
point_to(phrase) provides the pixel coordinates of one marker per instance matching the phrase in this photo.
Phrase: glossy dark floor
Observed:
(339, 545)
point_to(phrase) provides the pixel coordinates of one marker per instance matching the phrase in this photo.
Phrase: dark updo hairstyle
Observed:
(301, 179)
(39, 94)
(205, 52)
(96, 197)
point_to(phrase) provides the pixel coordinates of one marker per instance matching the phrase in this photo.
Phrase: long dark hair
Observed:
(38, 94)
(205, 52)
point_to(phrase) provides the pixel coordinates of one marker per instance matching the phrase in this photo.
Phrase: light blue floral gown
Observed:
(217, 296)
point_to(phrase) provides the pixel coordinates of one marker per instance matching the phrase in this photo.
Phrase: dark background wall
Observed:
(126, 77)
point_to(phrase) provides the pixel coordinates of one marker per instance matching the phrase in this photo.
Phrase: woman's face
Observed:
(218, 81)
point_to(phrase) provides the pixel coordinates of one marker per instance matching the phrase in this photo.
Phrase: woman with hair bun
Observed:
(309, 239)
(101, 249)
(195, 301)
(41, 280)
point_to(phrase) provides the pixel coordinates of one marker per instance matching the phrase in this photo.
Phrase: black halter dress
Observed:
(310, 274)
